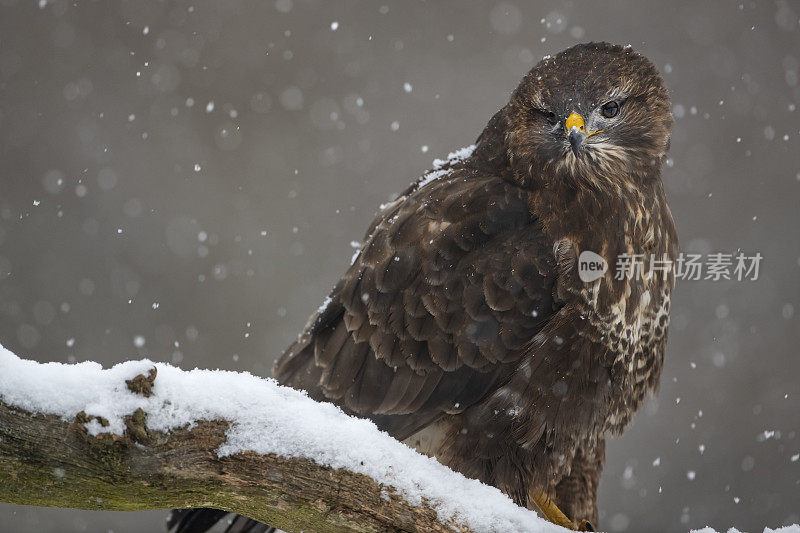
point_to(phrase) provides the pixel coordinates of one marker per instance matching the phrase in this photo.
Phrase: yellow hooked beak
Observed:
(576, 132)
(575, 121)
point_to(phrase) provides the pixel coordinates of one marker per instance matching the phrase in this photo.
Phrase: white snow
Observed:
(265, 418)
(452, 158)
(431, 176)
(325, 303)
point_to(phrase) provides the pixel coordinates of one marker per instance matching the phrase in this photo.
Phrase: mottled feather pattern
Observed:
(456, 275)
(462, 325)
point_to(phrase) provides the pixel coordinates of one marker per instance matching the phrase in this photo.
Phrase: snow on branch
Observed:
(145, 435)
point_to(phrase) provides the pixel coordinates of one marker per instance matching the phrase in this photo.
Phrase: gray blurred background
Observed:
(182, 181)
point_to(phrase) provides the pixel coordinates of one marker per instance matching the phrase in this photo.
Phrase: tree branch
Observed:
(48, 460)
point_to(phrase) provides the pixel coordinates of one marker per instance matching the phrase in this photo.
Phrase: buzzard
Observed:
(464, 326)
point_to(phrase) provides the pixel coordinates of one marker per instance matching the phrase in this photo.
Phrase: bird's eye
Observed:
(552, 118)
(610, 109)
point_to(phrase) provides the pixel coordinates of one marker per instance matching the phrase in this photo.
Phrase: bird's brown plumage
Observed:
(463, 314)
(462, 324)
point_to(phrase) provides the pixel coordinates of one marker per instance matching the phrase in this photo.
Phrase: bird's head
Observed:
(597, 114)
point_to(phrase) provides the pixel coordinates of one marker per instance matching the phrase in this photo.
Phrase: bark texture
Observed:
(50, 462)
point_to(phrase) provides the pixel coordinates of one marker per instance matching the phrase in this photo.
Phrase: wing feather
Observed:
(453, 281)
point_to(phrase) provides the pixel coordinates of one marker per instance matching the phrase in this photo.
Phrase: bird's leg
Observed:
(551, 511)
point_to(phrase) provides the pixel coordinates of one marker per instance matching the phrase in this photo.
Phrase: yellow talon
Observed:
(551, 511)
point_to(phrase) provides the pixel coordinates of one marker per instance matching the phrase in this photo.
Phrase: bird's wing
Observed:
(452, 281)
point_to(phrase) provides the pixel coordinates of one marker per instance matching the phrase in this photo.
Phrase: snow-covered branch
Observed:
(145, 435)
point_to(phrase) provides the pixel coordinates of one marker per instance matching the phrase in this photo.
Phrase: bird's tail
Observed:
(202, 520)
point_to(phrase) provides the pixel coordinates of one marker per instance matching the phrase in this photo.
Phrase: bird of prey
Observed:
(464, 326)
